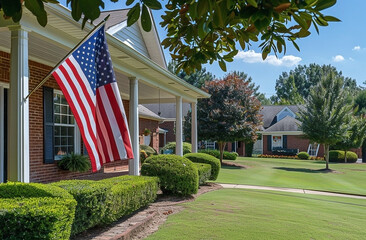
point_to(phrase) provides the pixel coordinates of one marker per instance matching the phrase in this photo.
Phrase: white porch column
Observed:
(18, 165)
(194, 127)
(179, 127)
(133, 164)
(2, 114)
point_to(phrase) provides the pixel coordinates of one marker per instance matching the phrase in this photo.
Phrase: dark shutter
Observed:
(49, 131)
(269, 142)
(284, 145)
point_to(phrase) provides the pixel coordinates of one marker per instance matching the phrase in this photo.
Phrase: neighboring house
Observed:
(168, 112)
(281, 130)
(35, 133)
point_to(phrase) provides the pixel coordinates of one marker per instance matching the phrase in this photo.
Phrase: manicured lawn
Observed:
(349, 178)
(248, 214)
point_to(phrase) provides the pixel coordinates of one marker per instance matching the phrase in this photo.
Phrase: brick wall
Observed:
(40, 172)
(170, 136)
(153, 126)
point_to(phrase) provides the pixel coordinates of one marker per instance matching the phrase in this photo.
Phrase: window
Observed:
(284, 113)
(65, 128)
(313, 149)
(276, 142)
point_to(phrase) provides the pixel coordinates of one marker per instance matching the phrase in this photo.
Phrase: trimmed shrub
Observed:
(92, 198)
(146, 151)
(129, 193)
(177, 175)
(338, 156)
(206, 158)
(216, 154)
(204, 172)
(104, 201)
(187, 147)
(303, 155)
(35, 211)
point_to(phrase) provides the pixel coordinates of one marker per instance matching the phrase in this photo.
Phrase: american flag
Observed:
(87, 80)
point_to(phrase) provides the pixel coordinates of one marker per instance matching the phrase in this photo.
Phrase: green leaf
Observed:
(323, 4)
(300, 21)
(37, 8)
(129, 2)
(153, 4)
(222, 65)
(76, 10)
(331, 19)
(253, 3)
(51, 1)
(133, 15)
(10, 7)
(145, 19)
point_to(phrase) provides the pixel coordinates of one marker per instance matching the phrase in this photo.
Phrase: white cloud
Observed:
(338, 58)
(356, 48)
(351, 59)
(252, 57)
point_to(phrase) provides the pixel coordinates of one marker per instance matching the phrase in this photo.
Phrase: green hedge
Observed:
(100, 202)
(35, 211)
(187, 147)
(216, 154)
(303, 155)
(129, 193)
(177, 175)
(206, 158)
(204, 172)
(146, 151)
(338, 156)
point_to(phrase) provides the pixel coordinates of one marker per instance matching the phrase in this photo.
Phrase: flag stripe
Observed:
(75, 108)
(103, 134)
(104, 118)
(119, 115)
(126, 133)
(113, 124)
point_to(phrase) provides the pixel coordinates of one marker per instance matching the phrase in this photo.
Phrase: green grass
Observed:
(292, 173)
(248, 214)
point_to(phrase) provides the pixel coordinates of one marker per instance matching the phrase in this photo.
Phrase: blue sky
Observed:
(341, 44)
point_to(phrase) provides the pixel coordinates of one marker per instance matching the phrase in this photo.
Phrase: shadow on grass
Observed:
(305, 170)
(231, 167)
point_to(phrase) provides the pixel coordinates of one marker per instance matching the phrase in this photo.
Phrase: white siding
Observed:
(133, 38)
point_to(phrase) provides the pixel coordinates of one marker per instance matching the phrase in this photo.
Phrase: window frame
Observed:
(77, 138)
(277, 135)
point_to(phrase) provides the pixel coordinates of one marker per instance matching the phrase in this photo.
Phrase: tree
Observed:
(197, 79)
(203, 31)
(327, 112)
(354, 136)
(360, 103)
(230, 114)
(294, 87)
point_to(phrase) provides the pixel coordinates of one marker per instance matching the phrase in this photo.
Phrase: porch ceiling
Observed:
(50, 44)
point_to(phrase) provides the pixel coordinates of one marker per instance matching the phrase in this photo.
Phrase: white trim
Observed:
(134, 164)
(284, 109)
(4, 84)
(179, 127)
(116, 28)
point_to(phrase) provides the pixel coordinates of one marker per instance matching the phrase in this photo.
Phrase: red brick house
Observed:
(281, 130)
(36, 132)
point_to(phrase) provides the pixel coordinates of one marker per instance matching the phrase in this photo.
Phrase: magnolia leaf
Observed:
(222, 65)
(331, 19)
(129, 2)
(253, 3)
(153, 4)
(10, 7)
(323, 4)
(133, 15)
(145, 19)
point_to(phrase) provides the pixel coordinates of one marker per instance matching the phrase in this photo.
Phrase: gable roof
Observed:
(117, 22)
(270, 112)
(168, 109)
(286, 124)
(146, 113)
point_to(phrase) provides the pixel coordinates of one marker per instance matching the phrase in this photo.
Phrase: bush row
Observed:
(187, 147)
(338, 156)
(216, 154)
(206, 158)
(287, 157)
(204, 172)
(104, 201)
(35, 211)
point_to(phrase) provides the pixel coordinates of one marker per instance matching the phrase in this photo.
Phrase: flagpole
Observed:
(60, 62)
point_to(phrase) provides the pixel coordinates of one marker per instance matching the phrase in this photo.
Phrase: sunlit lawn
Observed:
(247, 214)
(291, 173)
